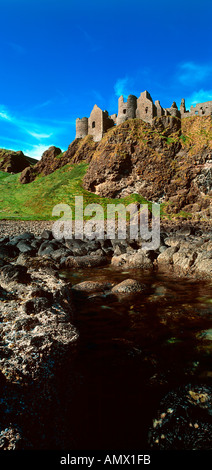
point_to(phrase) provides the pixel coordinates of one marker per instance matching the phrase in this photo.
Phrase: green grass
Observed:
(184, 138)
(36, 200)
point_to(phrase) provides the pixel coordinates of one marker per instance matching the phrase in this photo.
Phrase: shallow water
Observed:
(132, 350)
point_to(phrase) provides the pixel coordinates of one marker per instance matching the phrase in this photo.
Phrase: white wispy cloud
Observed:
(4, 115)
(34, 129)
(191, 72)
(40, 136)
(30, 136)
(35, 151)
(139, 80)
(123, 86)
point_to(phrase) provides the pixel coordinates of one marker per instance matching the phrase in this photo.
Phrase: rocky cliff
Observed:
(169, 162)
(14, 162)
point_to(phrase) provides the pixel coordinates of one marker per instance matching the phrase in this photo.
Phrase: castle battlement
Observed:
(142, 108)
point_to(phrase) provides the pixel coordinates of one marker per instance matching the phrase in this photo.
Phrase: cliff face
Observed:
(14, 162)
(170, 161)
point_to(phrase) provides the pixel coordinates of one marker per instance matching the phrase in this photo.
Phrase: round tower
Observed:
(126, 110)
(131, 107)
(81, 127)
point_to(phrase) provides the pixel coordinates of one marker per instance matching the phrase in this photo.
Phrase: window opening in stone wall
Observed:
(196, 112)
(93, 124)
(146, 110)
(124, 111)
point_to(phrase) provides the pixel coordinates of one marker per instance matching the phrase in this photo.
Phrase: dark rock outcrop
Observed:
(44, 166)
(14, 162)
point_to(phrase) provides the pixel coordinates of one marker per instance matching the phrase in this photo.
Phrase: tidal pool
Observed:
(134, 349)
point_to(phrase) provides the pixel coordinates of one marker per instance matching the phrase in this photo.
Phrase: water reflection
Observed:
(134, 348)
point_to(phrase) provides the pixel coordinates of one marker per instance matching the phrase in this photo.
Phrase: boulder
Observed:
(203, 264)
(128, 286)
(166, 257)
(24, 247)
(184, 259)
(139, 259)
(27, 175)
(60, 253)
(48, 247)
(83, 261)
(77, 247)
(24, 237)
(46, 234)
(87, 287)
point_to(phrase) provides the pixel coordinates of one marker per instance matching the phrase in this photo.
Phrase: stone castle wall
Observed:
(142, 108)
(202, 109)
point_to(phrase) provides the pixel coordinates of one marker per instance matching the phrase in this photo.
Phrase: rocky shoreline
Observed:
(38, 334)
(185, 248)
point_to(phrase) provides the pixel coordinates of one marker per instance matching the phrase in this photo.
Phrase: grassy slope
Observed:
(36, 200)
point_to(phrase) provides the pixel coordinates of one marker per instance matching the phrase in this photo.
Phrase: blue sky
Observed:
(59, 58)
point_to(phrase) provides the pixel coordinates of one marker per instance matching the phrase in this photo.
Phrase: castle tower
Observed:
(160, 111)
(182, 106)
(95, 123)
(98, 123)
(126, 110)
(146, 110)
(81, 127)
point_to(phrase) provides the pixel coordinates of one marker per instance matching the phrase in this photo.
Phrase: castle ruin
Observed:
(141, 108)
